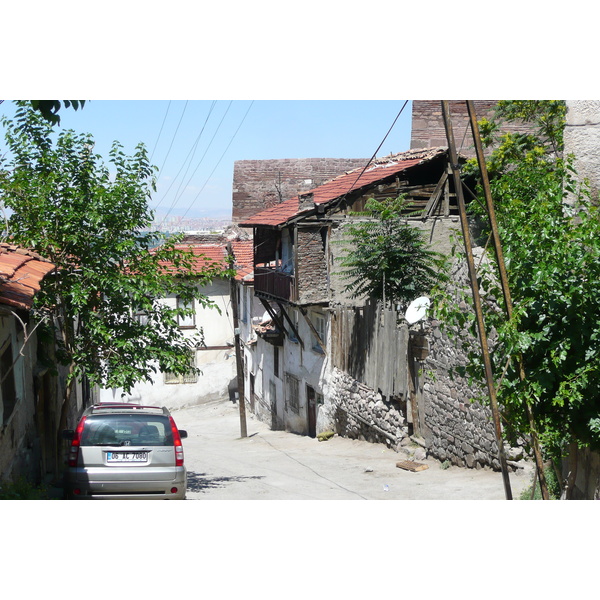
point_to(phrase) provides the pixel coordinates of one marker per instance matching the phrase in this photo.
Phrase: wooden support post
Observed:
(505, 287)
(238, 347)
(476, 296)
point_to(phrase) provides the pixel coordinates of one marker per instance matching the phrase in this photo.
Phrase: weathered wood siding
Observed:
(368, 344)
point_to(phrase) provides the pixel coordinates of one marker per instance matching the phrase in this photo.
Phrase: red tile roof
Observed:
(21, 274)
(243, 251)
(340, 186)
(216, 254)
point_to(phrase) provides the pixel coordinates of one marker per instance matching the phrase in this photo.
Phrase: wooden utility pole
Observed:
(505, 287)
(476, 296)
(233, 294)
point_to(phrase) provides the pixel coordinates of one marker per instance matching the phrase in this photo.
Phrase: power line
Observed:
(197, 166)
(160, 132)
(336, 207)
(220, 159)
(173, 139)
(191, 152)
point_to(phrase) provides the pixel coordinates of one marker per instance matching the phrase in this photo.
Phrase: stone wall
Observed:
(363, 414)
(458, 428)
(311, 275)
(260, 184)
(582, 138)
(428, 129)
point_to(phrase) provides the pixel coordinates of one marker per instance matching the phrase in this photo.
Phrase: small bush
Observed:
(551, 481)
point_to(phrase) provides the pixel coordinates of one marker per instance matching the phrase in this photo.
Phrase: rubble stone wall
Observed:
(363, 414)
(458, 429)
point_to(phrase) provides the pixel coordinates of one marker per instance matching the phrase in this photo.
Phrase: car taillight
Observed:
(75, 442)
(177, 443)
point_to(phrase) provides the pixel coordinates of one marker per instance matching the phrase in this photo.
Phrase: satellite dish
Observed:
(417, 310)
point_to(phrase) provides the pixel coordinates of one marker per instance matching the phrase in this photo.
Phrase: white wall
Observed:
(311, 367)
(217, 366)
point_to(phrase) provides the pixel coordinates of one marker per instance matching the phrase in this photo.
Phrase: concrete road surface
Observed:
(277, 465)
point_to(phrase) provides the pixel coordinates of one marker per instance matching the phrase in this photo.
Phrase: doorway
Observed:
(311, 404)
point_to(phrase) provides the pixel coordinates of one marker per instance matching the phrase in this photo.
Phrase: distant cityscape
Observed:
(174, 224)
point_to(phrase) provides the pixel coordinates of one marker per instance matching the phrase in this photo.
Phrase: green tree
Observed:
(552, 256)
(92, 221)
(386, 258)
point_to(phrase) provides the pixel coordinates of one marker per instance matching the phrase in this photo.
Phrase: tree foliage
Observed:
(49, 108)
(386, 258)
(552, 256)
(92, 221)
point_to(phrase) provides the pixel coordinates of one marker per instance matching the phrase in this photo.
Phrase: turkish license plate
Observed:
(126, 457)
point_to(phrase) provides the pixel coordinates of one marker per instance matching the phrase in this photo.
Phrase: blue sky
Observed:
(195, 143)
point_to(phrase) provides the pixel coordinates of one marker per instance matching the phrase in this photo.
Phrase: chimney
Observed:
(305, 201)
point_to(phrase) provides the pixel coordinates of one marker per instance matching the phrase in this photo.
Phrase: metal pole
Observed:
(505, 287)
(476, 297)
(238, 349)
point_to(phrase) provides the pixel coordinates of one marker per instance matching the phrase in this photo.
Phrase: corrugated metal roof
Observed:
(340, 186)
(21, 274)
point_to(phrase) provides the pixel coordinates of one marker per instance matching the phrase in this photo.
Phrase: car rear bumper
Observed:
(88, 489)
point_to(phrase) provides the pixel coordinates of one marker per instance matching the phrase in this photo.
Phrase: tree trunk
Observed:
(62, 423)
(569, 482)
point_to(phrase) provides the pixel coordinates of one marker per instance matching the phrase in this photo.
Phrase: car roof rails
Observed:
(125, 406)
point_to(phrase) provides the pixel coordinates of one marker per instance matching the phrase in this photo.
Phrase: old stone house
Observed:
(321, 360)
(32, 385)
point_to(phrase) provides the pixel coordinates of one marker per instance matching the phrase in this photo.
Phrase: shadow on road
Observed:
(200, 482)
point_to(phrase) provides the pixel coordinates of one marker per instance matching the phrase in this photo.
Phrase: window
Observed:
(9, 394)
(127, 430)
(189, 377)
(186, 322)
(319, 323)
(293, 393)
(141, 318)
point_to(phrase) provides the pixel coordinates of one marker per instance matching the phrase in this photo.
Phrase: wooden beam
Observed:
(312, 328)
(292, 326)
(273, 314)
(435, 197)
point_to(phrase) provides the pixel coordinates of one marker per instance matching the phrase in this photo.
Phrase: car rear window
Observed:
(127, 430)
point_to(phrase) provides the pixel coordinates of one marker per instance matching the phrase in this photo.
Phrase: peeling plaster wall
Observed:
(217, 366)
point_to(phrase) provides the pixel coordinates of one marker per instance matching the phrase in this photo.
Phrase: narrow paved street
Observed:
(276, 465)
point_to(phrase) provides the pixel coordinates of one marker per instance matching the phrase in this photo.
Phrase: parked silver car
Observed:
(125, 451)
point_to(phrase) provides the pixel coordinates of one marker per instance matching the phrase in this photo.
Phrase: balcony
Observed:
(273, 283)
